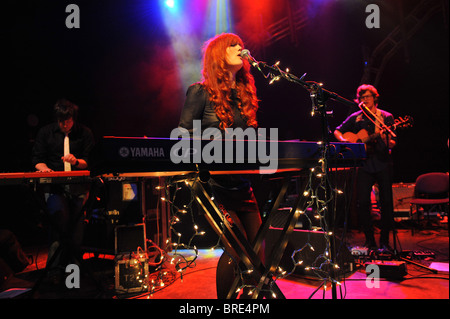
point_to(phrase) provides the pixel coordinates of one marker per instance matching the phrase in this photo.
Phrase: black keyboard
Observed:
(115, 155)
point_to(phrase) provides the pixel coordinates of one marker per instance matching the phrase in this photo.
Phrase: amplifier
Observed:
(402, 195)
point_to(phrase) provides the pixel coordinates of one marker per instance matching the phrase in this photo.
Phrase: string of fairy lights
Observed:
(176, 257)
(321, 195)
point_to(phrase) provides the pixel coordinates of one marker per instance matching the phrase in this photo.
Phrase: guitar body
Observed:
(360, 137)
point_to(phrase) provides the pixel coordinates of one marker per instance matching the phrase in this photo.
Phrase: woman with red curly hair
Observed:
(226, 98)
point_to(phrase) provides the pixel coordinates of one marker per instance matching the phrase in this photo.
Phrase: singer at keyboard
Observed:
(226, 98)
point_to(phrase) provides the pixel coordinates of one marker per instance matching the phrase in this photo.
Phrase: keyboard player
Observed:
(61, 146)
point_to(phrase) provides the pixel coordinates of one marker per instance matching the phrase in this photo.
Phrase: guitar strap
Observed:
(378, 120)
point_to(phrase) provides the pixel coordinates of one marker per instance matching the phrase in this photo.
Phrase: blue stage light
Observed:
(170, 3)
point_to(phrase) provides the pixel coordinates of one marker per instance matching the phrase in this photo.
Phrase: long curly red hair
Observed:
(218, 81)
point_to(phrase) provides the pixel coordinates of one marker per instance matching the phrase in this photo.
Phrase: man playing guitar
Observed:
(373, 127)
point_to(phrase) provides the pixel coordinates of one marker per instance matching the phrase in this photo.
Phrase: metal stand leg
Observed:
(237, 243)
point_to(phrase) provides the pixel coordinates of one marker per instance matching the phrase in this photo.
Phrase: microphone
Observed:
(245, 54)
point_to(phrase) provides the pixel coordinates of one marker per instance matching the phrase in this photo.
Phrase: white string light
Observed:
(315, 189)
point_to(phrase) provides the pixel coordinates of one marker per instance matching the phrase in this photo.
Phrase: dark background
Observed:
(119, 68)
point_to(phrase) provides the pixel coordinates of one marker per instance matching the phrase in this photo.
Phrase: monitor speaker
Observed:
(316, 239)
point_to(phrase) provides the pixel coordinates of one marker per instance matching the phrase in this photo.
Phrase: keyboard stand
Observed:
(233, 239)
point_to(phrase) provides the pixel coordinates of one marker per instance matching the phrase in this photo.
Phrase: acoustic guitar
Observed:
(364, 137)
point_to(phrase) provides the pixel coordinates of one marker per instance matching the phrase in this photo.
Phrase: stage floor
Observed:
(199, 280)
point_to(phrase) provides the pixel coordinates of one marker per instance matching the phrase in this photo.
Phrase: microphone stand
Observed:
(308, 85)
(379, 123)
(319, 97)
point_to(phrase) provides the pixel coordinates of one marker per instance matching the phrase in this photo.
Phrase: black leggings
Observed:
(245, 215)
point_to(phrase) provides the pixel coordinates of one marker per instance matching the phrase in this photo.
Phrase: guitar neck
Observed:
(364, 137)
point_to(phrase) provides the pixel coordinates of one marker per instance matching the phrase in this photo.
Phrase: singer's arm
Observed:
(198, 106)
(193, 106)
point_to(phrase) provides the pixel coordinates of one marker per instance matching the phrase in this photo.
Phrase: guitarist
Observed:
(364, 126)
